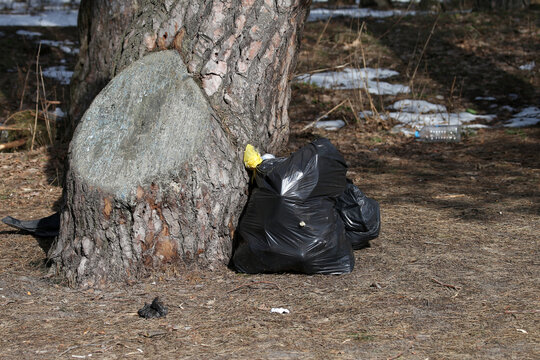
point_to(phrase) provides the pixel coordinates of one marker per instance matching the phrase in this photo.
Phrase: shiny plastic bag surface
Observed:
(360, 214)
(290, 223)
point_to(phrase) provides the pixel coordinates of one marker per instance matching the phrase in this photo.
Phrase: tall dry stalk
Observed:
(34, 130)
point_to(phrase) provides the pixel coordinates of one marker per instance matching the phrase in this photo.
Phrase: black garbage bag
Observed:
(290, 223)
(46, 227)
(360, 214)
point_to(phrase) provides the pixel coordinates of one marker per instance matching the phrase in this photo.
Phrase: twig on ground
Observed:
(9, 128)
(454, 287)
(522, 311)
(354, 111)
(326, 69)
(395, 356)
(254, 283)
(13, 144)
(311, 124)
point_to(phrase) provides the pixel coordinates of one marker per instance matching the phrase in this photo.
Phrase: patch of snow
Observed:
(355, 13)
(529, 66)
(485, 98)
(351, 78)
(65, 46)
(59, 113)
(26, 6)
(415, 114)
(330, 125)
(508, 108)
(513, 96)
(48, 18)
(28, 33)
(60, 73)
(527, 117)
(417, 106)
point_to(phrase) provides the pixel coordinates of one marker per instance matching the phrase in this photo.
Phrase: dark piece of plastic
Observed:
(46, 227)
(290, 223)
(154, 310)
(360, 214)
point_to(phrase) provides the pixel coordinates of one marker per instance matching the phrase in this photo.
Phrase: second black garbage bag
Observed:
(291, 223)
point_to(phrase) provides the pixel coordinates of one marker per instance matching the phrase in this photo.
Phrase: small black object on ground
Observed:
(154, 310)
(47, 227)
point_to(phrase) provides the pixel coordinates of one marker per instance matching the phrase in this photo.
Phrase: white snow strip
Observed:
(28, 33)
(330, 125)
(351, 78)
(485, 98)
(325, 14)
(60, 73)
(529, 66)
(49, 18)
(417, 106)
(26, 6)
(527, 117)
(66, 46)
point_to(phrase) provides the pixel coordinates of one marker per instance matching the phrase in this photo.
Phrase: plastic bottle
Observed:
(442, 133)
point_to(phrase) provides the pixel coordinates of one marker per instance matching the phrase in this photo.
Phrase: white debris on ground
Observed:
(58, 113)
(351, 78)
(485, 98)
(529, 66)
(66, 46)
(330, 125)
(527, 117)
(280, 310)
(415, 114)
(59, 73)
(355, 13)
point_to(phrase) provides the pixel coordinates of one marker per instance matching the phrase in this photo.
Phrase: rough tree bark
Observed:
(242, 55)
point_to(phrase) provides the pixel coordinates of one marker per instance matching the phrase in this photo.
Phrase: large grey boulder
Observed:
(142, 127)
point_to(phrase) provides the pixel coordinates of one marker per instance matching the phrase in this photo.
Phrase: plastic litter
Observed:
(439, 133)
(360, 214)
(292, 223)
(154, 310)
(280, 310)
(252, 158)
(46, 227)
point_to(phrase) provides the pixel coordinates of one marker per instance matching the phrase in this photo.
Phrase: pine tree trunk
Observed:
(242, 55)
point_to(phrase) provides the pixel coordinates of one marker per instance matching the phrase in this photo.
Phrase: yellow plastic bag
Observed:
(252, 158)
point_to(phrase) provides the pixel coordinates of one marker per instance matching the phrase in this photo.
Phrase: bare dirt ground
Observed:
(454, 274)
